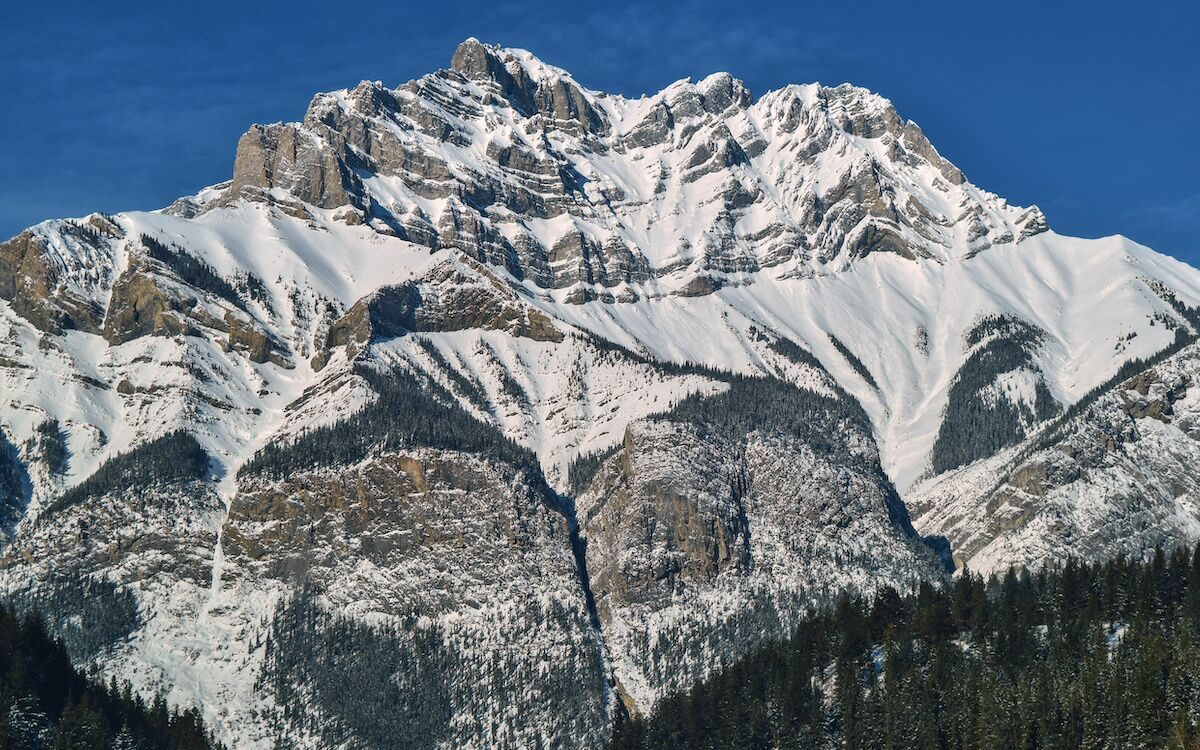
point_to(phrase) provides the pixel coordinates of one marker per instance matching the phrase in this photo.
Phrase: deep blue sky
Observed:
(1088, 110)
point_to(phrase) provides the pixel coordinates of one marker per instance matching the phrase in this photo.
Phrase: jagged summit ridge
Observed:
(695, 187)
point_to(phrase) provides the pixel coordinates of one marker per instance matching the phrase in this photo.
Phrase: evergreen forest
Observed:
(1100, 656)
(46, 703)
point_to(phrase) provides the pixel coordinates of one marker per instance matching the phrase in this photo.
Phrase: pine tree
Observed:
(1191, 596)
(81, 727)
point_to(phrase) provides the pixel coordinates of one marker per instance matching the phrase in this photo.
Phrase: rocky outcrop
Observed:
(32, 284)
(140, 306)
(166, 292)
(1146, 396)
(461, 564)
(297, 161)
(687, 524)
(452, 296)
(478, 62)
(245, 336)
(555, 97)
(704, 539)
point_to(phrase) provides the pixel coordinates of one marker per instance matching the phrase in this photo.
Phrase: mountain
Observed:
(501, 407)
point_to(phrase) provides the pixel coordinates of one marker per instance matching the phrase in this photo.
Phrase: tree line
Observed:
(978, 424)
(46, 703)
(409, 411)
(170, 459)
(1091, 655)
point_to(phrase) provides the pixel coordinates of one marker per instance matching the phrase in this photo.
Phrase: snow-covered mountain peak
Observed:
(674, 224)
(607, 198)
(499, 195)
(477, 60)
(488, 358)
(474, 59)
(724, 90)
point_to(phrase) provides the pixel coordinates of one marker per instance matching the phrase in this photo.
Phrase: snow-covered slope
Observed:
(567, 278)
(1116, 476)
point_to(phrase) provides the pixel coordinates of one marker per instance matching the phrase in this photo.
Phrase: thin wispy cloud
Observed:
(1182, 213)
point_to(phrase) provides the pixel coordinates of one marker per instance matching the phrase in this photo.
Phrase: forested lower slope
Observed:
(47, 703)
(1087, 656)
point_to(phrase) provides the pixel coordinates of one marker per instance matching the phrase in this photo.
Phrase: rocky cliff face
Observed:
(495, 406)
(515, 164)
(459, 572)
(32, 275)
(450, 297)
(703, 544)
